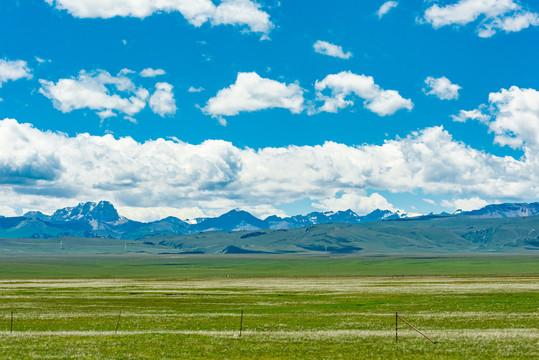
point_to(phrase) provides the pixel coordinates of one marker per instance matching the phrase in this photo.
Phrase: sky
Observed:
(191, 108)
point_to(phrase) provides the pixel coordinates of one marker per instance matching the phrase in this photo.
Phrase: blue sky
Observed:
(272, 106)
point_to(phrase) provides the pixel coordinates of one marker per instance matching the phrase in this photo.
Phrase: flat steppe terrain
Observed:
(298, 308)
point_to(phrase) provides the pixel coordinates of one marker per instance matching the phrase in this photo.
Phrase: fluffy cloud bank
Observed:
(512, 115)
(42, 167)
(464, 204)
(251, 92)
(442, 88)
(358, 202)
(345, 84)
(197, 12)
(13, 70)
(107, 94)
(325, 48)
(493, 15)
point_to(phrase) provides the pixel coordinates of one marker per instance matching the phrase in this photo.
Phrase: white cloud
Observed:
(89, 90)
(345, 84)
(149, 72)
(105, 114)
(218, 206)
(325, 48)
(516, 119)
(512, 115)
(107, 95)
(162, 101)
(251, 92)
(469, 204)
(442, 88)
(13, 70)
(242, 12)
(193, 89)
(8, 211)
(44, 168)
(147, 214)
(197, 12)
(493, 15)
(475, 114)
(384, 9)
(357, 202)
(42, 61)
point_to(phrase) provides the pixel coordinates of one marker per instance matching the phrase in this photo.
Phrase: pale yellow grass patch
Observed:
(487, 334)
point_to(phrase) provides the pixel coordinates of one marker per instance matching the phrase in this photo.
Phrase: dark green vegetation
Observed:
(202, 266)
(427, 235)
(470, 317)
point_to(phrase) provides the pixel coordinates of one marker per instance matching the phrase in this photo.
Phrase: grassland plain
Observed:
(298, 308)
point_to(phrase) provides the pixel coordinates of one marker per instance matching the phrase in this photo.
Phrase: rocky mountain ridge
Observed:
(102, 220)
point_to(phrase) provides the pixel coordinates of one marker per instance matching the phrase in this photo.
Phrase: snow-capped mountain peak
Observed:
(103, 211)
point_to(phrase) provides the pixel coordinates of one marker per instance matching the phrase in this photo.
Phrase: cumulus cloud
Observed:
(43, 167)
(345, 84)
(149, 72)
(147, 214)
(242, 12)
(89, 90)
(251, 92)
(512, 115)
(13, 70)
(442, 88)
(107, 95)
(325, 48)
(162, 101)
(384, 9)
(516, 117)
(360, 203)
(468, 204)
(492, 16)
(245, 13)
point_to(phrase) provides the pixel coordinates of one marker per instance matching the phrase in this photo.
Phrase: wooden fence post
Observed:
(241, 322)
(118, 323)
(396, 326)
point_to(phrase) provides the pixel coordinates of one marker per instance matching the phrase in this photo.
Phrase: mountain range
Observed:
(101, 220)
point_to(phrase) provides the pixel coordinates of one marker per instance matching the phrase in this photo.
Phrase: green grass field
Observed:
(187, 266)
(298, 308)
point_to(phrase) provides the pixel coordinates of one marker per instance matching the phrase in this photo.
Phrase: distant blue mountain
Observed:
(505, 210)
(314, 218)
(37, 215)
(102, 220)
(231, 221)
